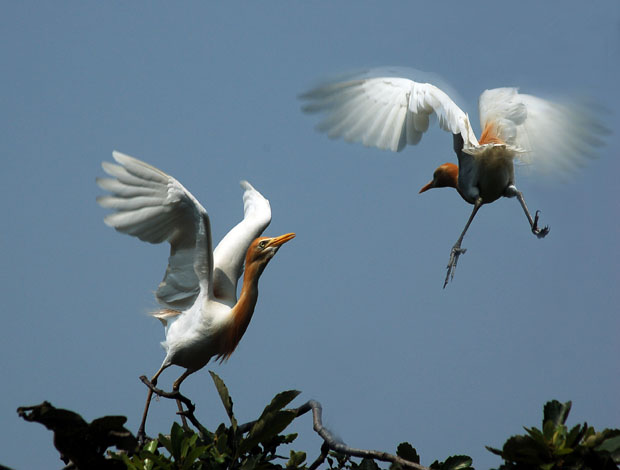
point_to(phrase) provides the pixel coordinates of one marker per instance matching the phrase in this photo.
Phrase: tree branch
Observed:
(176, 395)
(332, 443)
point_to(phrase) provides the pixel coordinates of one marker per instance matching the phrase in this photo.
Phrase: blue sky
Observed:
(352, 312)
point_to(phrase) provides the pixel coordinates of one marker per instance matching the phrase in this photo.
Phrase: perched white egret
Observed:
(390, 112)
(201, 312)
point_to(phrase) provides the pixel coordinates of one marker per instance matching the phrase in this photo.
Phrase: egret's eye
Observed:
(262, 244)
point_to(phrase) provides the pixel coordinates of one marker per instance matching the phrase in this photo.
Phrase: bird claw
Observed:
(539, 232)
(454, 259)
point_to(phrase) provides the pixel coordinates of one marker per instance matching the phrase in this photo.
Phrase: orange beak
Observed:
(281, 240)
(426, 187)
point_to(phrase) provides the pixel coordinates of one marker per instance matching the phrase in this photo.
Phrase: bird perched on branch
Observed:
(198, 295)
(381, 109)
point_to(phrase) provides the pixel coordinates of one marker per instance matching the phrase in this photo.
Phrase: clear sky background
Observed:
(352, 312)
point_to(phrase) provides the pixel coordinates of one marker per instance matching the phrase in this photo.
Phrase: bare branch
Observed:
(332, 443)
(176, 395)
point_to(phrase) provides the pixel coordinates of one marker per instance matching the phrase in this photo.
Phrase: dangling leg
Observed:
(512, 191)
(456, 249)
(141, 433)
(175, 388)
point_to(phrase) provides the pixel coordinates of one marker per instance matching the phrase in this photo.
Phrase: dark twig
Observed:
(176, 395)
(321, 458)
(331, 443)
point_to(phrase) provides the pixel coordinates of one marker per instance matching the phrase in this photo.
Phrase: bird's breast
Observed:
(494, 178)
(195, 336)
(494, 172)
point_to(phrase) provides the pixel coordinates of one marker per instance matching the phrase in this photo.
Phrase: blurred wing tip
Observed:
(306, 95)
(119, 156)
(109, 167)
(310, 109)
(106, 220)
(245, 184)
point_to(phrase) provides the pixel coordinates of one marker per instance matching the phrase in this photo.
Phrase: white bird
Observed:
(201, 312)
(390, 112)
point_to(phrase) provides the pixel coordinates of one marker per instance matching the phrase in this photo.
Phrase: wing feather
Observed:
(557, 137)
(155, 207)
(387, 112)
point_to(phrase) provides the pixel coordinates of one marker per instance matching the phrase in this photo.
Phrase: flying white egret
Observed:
(390, 112)
(201, 313)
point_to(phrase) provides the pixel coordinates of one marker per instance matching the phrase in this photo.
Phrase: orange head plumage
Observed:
(445, 176)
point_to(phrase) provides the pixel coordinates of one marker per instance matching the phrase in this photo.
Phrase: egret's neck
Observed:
(249, 292)
(243, 310)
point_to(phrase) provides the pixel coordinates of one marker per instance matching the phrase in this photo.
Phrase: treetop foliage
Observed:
(257, 445)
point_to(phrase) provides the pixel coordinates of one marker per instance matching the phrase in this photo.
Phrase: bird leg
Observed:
(456, 249)
(175, 388)
(141, 434)
(539, 232)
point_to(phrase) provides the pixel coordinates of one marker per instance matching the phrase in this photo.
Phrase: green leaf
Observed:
(176, 440)
(165, 442)
(272, 421)
(536, 434)
(268, 426)
(221, 439)
(575, 435)
(280, 401)
(610, 445)
(289, 438)
(184, 449)
(192, 456)
(556, 412)
(368, 464)
(128, 463)
(407, 452)
(563, 451)
(296, 459)
(149, 448)
(525, 449)
(457, 462)
(225, 397)
(549, 429)
(250, 462)
(494, 450)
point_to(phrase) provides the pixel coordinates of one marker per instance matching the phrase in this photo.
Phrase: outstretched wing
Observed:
(553, 136)
(230, 253)
(387, 112)
(155, 207)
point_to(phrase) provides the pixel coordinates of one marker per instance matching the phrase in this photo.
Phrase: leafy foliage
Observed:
(227, 448)
(255, 445)
(555, 447)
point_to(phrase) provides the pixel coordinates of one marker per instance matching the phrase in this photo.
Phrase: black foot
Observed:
(539, 232)
(454, 259)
